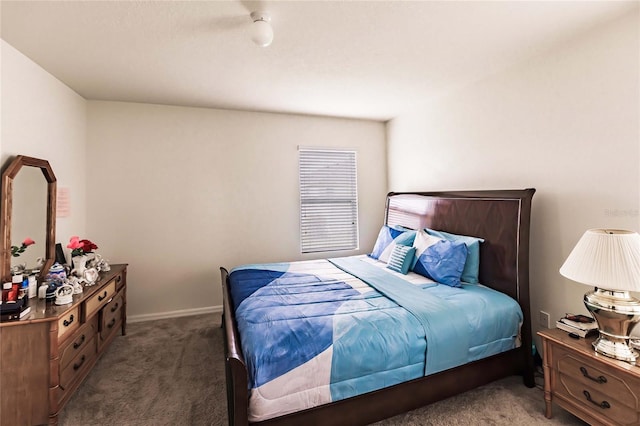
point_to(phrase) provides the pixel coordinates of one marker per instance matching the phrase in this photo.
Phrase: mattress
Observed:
(313, 333)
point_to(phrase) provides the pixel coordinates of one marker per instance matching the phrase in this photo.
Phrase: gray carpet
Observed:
(171, 372)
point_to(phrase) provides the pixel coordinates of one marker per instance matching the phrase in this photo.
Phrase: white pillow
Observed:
(421, 243)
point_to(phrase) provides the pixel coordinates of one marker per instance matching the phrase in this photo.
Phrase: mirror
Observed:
(28, 210)
(29, 215)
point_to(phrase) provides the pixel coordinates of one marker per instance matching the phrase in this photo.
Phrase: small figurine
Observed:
(64, 294)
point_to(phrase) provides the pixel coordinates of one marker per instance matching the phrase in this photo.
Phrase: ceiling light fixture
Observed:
(261, 31)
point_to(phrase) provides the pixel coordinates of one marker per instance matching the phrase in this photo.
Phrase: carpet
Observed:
(171, 372)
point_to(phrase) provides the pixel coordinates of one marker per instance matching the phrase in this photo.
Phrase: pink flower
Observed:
(17, 251)
(79, 247)
(74, 243)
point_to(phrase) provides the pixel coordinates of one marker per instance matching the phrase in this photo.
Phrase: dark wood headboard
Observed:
(502, 218)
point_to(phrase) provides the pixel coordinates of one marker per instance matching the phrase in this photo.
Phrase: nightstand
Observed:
(597, 389)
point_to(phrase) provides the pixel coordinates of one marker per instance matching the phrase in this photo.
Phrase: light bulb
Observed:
(261, 32)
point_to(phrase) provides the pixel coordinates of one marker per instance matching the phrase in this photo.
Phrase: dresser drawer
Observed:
(101, 298)
(111, 319)
(111, 313)
(68, 322)
(78, 342)
(109, 333)
(74, 370)
(587, 372)
(595, 399)
(120, 282)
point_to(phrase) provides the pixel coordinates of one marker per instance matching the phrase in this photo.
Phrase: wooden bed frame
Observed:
(502, 218)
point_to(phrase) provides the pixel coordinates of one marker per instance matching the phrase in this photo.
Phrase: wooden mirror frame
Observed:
(7, 206)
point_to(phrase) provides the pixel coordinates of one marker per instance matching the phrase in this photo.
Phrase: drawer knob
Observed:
(115, 307)
(585, 373)
(118, 279)
(79, 364)
(68, 322)
(104, 296)
(76, 345)
(112, 323)
(603, 404)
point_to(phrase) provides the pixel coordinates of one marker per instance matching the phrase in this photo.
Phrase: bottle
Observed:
(33, 284)
(6, 288)
(24, 290)
(16, 287)
(42, 291)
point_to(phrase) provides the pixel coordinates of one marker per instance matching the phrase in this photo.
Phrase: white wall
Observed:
(43, 118)
(178, 192)
(565, 123)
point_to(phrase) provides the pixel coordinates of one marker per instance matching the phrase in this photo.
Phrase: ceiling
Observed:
(358, 59)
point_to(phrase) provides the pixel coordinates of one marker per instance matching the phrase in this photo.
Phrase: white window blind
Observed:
(328, 200)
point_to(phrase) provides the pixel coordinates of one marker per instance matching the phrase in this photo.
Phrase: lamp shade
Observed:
(607, 259)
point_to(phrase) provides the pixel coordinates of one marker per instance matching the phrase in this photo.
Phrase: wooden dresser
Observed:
(45, 356)
(598, 389)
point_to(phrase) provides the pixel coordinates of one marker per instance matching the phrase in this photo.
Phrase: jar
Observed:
(56, 273)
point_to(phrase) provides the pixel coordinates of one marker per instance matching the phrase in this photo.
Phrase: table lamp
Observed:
(609, 260)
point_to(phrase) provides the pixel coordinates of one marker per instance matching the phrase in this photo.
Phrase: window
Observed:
(328, 200)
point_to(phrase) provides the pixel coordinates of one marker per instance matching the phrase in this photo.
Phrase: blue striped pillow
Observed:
(401, 258)
(388, 238)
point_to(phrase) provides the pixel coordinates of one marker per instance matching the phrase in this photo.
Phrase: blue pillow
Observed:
(439, 259)
(472, 264)
(388, 238)
(401, 258)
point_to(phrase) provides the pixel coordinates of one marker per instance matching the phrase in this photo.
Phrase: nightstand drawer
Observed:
(596, 400)
(600, 390)
(589, 373)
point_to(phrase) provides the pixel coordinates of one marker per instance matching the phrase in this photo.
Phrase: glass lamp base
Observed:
(616, 313)
(618, 349)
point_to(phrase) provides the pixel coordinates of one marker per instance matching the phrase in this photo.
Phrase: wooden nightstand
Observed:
(598, 389)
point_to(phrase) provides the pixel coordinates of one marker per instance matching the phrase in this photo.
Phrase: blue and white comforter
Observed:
(312, 333)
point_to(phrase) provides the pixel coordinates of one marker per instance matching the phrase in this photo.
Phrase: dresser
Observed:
(598, 389)
(45, 356)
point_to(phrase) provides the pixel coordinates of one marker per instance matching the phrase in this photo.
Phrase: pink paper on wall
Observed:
(63, 203)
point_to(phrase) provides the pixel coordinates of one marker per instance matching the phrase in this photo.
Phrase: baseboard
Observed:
(174, 314)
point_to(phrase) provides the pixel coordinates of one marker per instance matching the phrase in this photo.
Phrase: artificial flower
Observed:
(87, 246)
(79, 247)
(17, 251)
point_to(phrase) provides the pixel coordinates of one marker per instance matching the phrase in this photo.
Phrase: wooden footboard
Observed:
(235, 368)
(373, 406)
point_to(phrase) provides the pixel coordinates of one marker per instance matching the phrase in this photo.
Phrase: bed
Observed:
(500, 218)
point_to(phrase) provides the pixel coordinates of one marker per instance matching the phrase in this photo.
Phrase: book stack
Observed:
(10, 314)
(581, 325)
